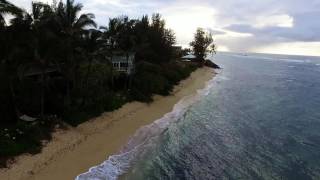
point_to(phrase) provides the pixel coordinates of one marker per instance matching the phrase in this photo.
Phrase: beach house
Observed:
(189, 57)
(123, 63)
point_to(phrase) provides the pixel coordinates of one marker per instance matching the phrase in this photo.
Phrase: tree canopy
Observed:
(202, 44)
(54, 60)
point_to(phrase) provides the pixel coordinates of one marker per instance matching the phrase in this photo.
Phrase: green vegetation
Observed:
(56, 66)
(158, 79)
(202, 44)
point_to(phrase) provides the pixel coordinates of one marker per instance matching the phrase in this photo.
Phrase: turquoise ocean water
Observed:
(259, 118)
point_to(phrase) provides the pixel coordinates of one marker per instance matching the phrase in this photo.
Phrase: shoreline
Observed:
(73, 151)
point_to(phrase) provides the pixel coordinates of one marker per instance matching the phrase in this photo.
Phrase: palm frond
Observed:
(9, 8)
(85, 20)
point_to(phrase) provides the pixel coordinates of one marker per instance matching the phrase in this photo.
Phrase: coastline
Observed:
(73, 151)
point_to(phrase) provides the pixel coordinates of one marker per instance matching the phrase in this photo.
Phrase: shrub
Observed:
(24, 137)
(105, 102)
(157, 79)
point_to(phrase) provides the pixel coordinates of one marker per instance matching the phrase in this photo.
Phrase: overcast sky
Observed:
(270, 26)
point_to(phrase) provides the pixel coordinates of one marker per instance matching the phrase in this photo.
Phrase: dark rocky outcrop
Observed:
(211, 64)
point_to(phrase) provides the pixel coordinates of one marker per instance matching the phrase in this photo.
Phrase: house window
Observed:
(123, 65)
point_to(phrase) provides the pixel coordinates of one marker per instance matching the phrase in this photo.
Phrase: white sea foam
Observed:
(295, 60)
(141, 141)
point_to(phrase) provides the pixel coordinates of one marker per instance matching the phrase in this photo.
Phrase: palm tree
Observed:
(35, 27)
(41, 15)
(8, 8)
(72, 26)
(7, 62)
(69, 20)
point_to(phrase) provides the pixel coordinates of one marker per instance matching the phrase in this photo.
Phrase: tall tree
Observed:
(72, 25)
(141, 31)
(35, 29)
(126, 35)
(70, 20)
(127, 41)
(161, 40)
(202, 44)
(9, 51)
(110, 39)
(92, 49)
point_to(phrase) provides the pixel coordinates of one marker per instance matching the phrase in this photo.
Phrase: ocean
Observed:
(259, 118)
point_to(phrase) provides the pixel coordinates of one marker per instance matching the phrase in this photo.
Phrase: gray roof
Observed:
(189, 56)
(122, 58)
(33, 69)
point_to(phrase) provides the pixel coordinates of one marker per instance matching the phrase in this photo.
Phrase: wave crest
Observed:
(141, 141)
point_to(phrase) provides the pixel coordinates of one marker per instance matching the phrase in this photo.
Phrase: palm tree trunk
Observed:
(42, 65)
(69, 73)
(42, 99)
(85, 96)
(112, 75)
(126, 82)
(13, 98)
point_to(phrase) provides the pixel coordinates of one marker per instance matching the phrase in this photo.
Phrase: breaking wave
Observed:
(144, 138)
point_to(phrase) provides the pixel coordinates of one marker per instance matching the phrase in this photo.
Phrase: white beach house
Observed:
(123, 63)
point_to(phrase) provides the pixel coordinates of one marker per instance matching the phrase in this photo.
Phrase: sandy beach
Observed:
(75, 150)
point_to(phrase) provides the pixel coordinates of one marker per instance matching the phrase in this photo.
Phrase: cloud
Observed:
(304, 28)
(238, 25)
(185, 19)
(281, 20)
(309, 48)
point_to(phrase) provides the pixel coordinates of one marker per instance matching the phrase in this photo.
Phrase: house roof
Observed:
(189, 56)
(123, 58)
(33, 69)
